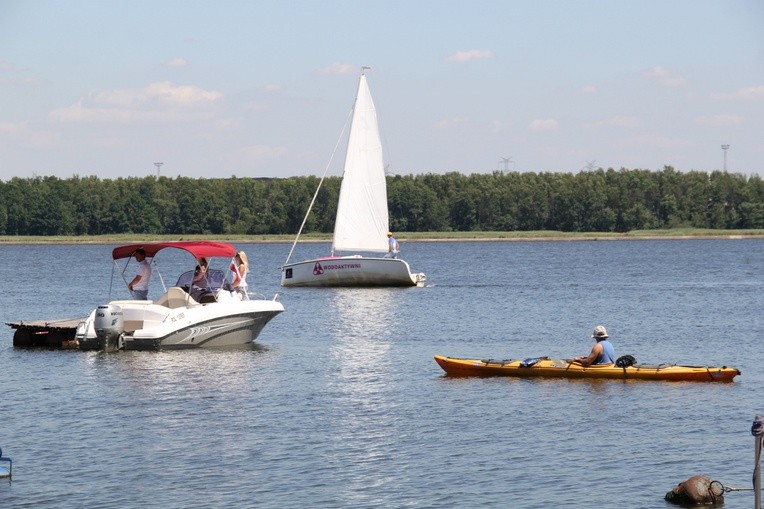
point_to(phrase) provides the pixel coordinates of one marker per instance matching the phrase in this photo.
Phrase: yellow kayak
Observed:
(561, 368)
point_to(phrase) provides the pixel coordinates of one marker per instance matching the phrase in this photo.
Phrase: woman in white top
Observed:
(240, 269)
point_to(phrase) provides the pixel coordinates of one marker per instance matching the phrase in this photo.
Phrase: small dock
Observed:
(49, 333)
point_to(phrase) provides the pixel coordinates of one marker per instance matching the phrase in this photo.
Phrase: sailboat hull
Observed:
(350, 271)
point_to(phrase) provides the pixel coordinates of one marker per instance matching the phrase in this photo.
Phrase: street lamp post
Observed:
(725, 147)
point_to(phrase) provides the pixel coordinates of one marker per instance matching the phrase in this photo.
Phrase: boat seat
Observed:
(207, 297)
(176, 297)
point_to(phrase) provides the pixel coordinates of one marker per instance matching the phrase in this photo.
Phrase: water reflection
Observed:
(193, 372)
(363, 425)
(361, 335)
(363, 311)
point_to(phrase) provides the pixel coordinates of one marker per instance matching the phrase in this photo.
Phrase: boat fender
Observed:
(625, 361)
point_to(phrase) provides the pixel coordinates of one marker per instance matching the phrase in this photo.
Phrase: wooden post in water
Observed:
(757, 430)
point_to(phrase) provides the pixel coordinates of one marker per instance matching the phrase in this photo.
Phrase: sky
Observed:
(263, 88)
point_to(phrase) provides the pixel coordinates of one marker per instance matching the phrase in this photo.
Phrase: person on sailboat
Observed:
(392, 246)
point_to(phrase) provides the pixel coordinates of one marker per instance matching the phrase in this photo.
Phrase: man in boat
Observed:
(139, 286)
(392, 246)
(602, 352)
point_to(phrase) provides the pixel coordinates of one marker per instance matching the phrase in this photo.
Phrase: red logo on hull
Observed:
(318, 270)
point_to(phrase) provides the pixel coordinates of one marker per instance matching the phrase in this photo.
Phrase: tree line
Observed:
(589, 201)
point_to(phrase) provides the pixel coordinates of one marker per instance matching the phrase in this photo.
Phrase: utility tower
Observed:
(505, 163)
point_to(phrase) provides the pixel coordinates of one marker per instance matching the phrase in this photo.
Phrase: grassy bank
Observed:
(679, 233)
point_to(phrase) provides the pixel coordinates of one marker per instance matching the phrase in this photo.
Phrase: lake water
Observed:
(340, 403)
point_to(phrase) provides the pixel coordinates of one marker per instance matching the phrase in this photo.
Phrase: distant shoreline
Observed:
(536, 236)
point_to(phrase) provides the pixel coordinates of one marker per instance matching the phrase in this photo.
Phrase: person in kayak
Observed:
(602, 352)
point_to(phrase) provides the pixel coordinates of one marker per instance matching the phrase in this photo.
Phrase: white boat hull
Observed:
(350, 271)
(150, 326)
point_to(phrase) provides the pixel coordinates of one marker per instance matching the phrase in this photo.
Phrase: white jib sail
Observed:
(362, 220)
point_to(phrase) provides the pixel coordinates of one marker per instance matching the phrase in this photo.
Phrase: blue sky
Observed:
(263, 88)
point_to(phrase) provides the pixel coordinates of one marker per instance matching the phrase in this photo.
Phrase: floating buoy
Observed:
(697, 490)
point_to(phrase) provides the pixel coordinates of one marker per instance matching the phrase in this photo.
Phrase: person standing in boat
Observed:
(200, 273)
(240, 269)
(139, 286)
(392, 246)
(602, 352)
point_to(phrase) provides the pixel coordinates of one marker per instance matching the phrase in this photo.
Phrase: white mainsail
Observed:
(362, 217)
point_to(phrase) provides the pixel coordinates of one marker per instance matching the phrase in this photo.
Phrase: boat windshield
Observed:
(212, 280)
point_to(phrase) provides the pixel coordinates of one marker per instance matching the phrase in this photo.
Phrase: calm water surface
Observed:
(340, 404)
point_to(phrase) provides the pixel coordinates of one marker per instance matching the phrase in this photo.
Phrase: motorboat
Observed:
(362, 221)
(200, 310)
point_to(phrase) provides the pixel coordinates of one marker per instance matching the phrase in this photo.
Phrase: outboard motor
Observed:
(109, 324)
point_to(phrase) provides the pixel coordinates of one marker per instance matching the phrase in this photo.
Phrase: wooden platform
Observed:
(51, 333)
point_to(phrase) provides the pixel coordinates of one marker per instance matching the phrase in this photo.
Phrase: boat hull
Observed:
(350, 271)
(229, 330)
(149, 326)
(559, 368)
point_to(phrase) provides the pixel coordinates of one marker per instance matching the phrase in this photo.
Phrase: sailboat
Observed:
(362, 221)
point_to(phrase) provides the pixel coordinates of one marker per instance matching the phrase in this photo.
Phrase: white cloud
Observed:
(10, 74)
(449, 122)
(664, 76)
(544, 125)
(720, 120)
(29, 80)
(161, 101)
(588, 89)
(162, 92)
(617, 121)
(23, 134)
(82, 113)
(340, 69)
(255, 106)
(220, 125)
(500, 125)
(748, 93)
(466, 56)
(256, 155)
(177, 62)
(272, 89)
(656, 141)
